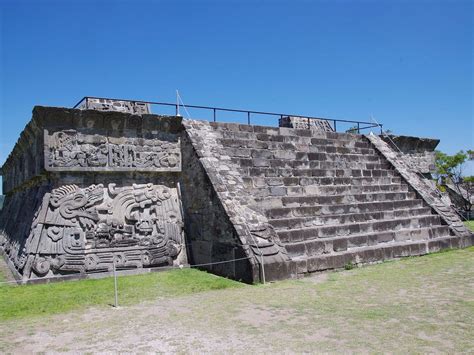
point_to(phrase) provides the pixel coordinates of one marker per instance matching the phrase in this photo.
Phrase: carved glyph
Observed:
(88, 229)
(73, 150)
(134, 107)
(305, 123)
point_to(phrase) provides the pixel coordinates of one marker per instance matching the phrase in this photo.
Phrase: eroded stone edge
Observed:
(425, 190)
(251, 226)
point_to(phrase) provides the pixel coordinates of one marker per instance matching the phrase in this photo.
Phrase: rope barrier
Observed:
(150, 269)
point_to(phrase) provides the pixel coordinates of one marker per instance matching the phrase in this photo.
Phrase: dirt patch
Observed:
(414, 305)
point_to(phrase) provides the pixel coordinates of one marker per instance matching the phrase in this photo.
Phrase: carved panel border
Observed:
(72, 150)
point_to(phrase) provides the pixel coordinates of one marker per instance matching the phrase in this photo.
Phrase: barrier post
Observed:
(115, 287)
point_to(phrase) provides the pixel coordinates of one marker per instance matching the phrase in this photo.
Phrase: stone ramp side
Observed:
(427, 192)
(221, 221)
(332, 198)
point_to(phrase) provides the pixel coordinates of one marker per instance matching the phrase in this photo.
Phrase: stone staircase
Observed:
(332, 198)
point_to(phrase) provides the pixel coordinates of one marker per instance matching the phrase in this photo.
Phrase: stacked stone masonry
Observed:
(419, 153)
(87, 189)
(338, 198)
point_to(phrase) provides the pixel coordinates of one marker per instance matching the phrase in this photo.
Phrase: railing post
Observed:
(214, 114)
(381, 129)
(335, 129)
(87, 103)
(248, 117)
(358, 127)
(309, 123)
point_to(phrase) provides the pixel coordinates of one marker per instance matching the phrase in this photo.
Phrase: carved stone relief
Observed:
(134, 107)
(73, 150)
(305, 123)
(87, 229)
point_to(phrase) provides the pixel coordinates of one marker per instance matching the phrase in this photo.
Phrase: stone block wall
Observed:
(305, 123)
(418, 152)
(221, 224)
(211, 236)
(87, 189)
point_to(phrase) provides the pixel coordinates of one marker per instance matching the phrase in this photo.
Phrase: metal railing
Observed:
(357, 125)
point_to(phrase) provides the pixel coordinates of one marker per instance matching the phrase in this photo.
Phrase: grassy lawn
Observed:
(46, 299)
(470, 225)
(414, 305)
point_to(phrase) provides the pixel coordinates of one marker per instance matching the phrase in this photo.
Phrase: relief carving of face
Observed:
(90, 123)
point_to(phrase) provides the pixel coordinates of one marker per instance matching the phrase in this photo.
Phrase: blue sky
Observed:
(407, 63)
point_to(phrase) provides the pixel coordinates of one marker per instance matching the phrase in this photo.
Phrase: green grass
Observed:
(414, 305)
(470, 225)
(47, 299)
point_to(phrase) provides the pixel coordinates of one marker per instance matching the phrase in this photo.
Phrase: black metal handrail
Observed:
(248, 112)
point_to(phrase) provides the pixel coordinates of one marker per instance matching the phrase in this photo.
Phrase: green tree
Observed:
(450, 166)
(449, 171)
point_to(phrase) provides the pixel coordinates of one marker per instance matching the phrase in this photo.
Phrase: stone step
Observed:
(335, 219)
(345, 189)
(359, 143)
(271, 130)
(308, 211)
(330, 181)
(338, 244)
(319, 173)
(263, 182)
(271, 187)
(379, 164)
(293, 151)
(266, 133)
(292, 143)
(313, 200)
(346, 230)
(376, 253)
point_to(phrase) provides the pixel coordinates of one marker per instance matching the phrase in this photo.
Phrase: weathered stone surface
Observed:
(232, 222)
(419, 153)
(86, 189)
(331, 194)
(87, 229)
(305, 123)
(429, 194)
(133, 107)
(103, 190)
(71, 150)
